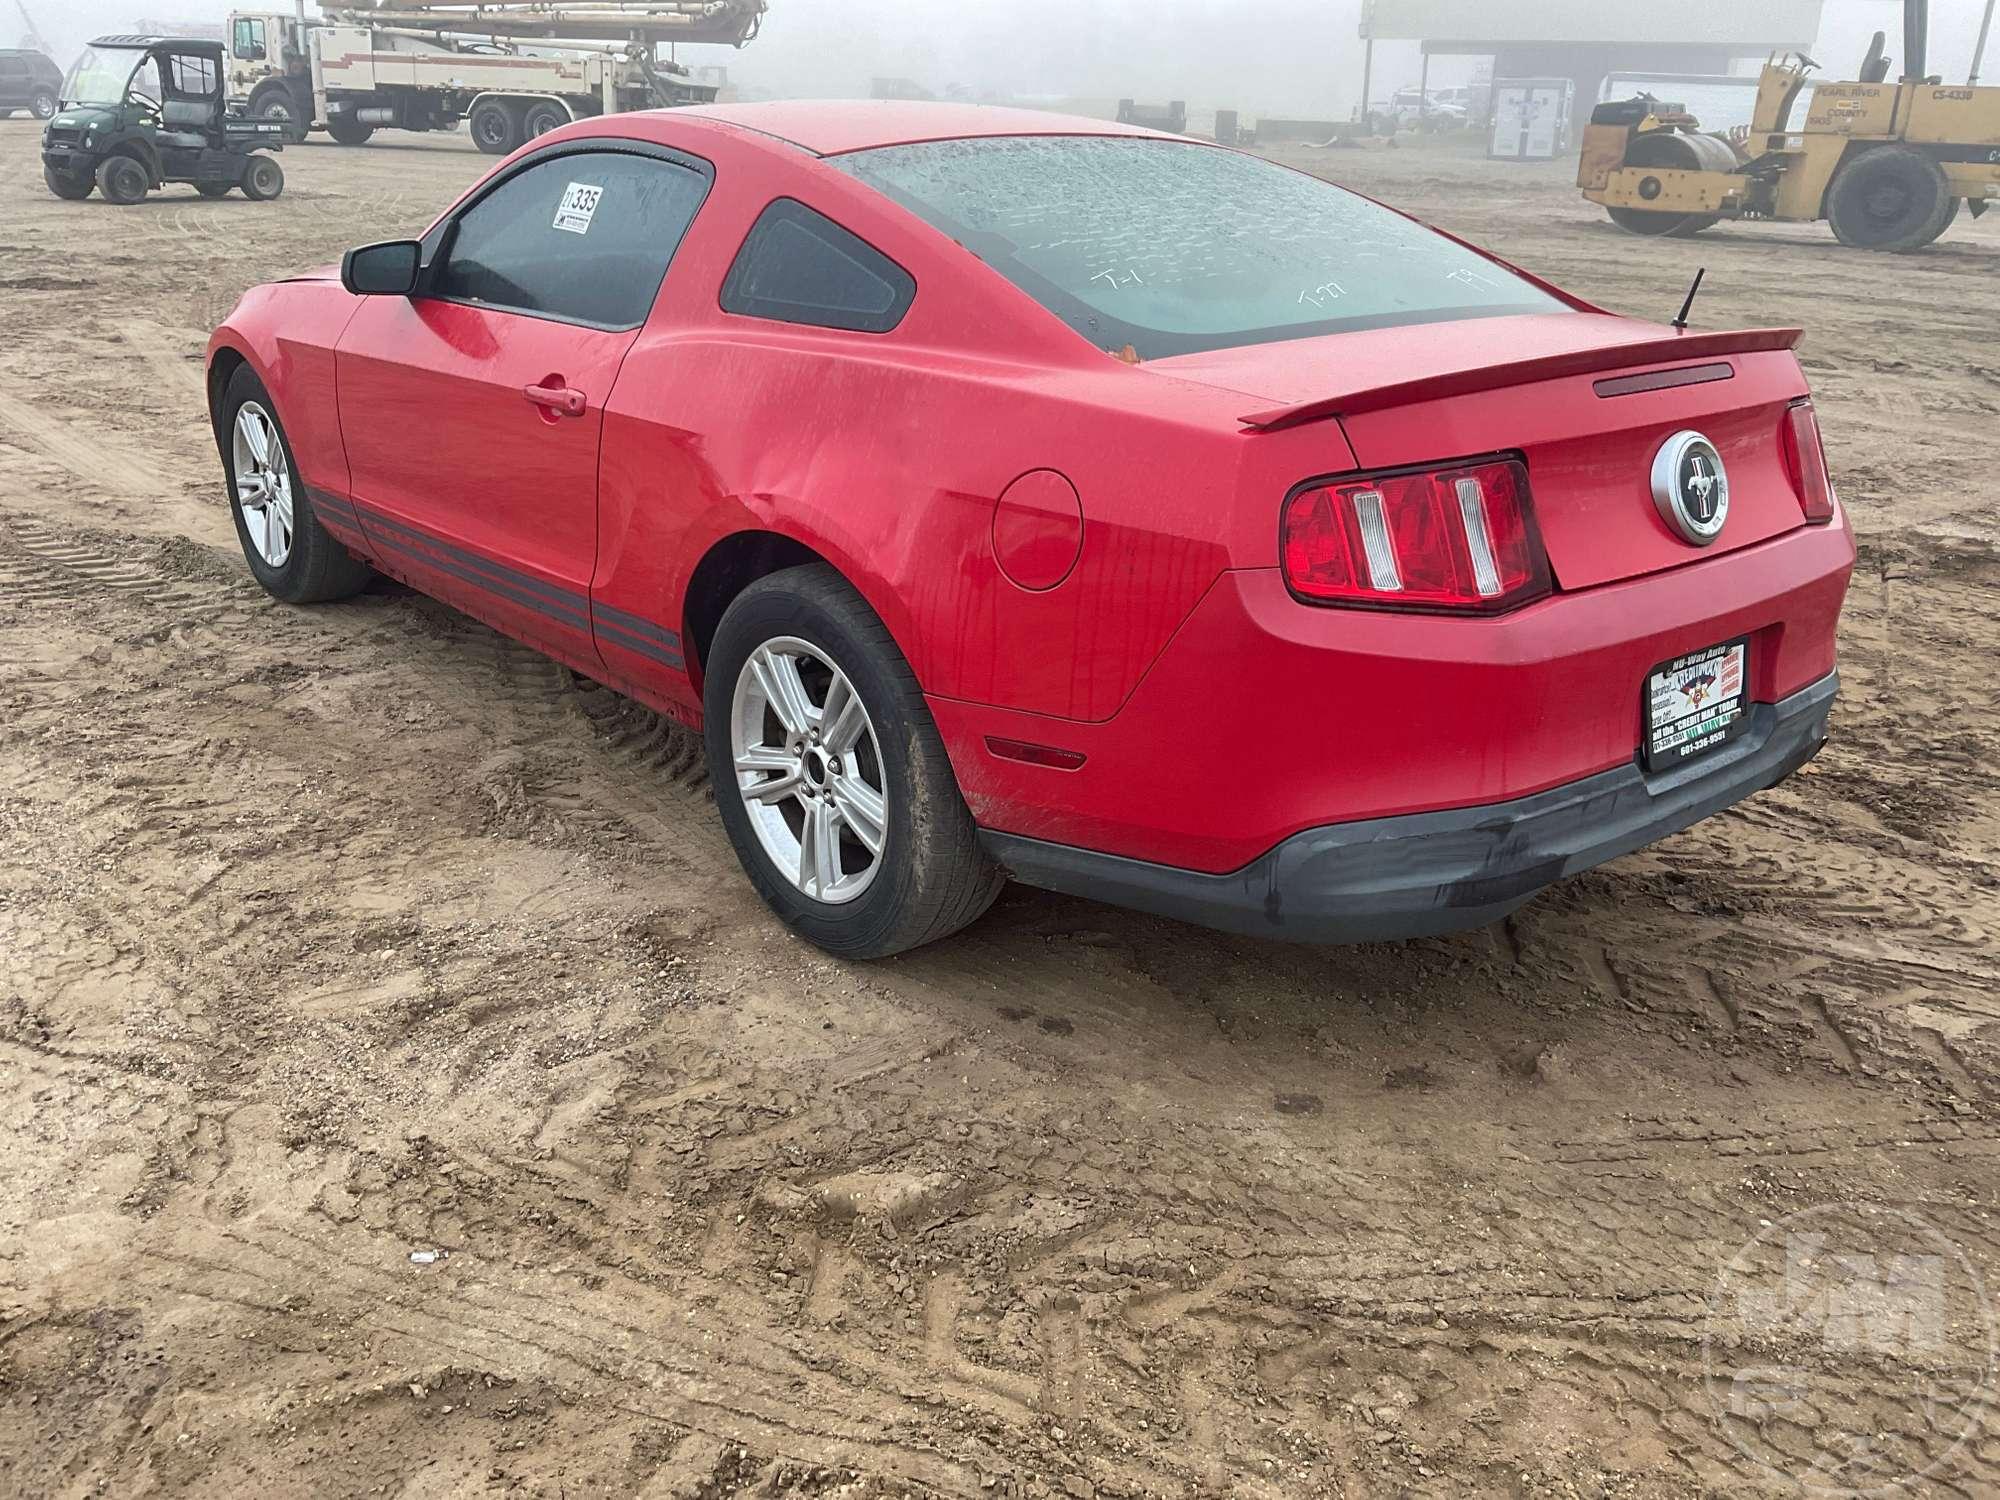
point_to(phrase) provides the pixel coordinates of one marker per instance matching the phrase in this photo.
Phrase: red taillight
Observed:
(1461, 538)
(1805, 457)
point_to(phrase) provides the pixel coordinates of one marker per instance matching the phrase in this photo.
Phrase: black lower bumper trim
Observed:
(1429, 873)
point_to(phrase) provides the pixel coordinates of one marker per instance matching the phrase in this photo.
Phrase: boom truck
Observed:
(511, 69)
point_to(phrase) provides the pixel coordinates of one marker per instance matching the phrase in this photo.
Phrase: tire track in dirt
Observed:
(97, 461)
(330, 935)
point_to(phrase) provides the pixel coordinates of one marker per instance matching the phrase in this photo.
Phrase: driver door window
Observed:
(584, 238)
(248, 44)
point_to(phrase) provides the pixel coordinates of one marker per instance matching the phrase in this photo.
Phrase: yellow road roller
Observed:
(1886, 164)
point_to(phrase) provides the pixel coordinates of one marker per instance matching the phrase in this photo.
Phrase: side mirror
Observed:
(385, 270)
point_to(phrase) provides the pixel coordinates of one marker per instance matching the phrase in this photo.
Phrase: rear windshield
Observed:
(1173, 247)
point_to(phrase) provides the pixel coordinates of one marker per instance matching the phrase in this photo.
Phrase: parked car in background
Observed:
(1445, 109)
(1008, 494)
(29, 80)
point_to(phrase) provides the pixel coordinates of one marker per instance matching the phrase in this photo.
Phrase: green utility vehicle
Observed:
(139, 112)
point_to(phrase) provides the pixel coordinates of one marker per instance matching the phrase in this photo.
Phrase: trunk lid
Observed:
(1587, 399)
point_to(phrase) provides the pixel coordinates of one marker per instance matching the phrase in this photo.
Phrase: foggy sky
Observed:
(1260, 56)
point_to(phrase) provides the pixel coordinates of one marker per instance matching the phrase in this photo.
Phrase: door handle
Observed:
(559, 399)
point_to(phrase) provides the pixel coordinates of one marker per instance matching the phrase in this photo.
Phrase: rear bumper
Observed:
(1428, 873)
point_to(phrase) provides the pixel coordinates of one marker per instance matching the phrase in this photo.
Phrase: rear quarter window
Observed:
(799, 266)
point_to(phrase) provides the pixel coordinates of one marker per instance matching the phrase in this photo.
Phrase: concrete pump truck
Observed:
(511, 69)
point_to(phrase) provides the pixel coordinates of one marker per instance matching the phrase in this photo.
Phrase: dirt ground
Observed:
(332, 938)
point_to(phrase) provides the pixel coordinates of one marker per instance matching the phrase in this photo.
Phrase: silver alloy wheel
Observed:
(809, 769)
(263, 484)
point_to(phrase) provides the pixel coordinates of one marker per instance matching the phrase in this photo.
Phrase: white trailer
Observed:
(512, 69)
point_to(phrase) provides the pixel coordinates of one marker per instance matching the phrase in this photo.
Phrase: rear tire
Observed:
(1893, 198)
(74, 189)
(43, 106)
(313, 567)
(496, 127)
(122, 180)
(263, 178)
(212, 189)
(348, 131)
(541, 118)
(928, 876)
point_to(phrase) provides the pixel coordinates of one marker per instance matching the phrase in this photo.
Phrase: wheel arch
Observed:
(144, 153)
(729, 567)
(518, 101)
(222, 368)
(270, 86)
(735, 561)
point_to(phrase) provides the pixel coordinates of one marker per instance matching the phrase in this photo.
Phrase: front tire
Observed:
(122, 180)
(1660, 225)
(277, 107)
(295, 558)
(832, 780)
(73, 189)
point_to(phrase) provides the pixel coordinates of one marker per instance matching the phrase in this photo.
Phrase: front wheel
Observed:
(294, 557)
(75, 189)
(1656, 224)
(122, 180)
(263, 178)
(832, 781)
(276, 107)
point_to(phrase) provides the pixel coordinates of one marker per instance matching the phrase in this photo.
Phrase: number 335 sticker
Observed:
(578, 207)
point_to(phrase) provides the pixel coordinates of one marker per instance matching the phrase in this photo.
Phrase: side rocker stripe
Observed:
(558, 602)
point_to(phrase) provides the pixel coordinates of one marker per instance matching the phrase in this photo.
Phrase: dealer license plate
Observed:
(1696, 702)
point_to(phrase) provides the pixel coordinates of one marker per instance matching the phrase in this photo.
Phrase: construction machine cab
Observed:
(1875, 66)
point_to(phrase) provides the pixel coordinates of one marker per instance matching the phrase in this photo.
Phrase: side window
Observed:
(249, 40)
(12, 69)
(798, 266)
(194, 77)
(584, 238)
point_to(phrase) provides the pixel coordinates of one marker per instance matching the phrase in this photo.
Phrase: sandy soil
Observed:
(333, 937)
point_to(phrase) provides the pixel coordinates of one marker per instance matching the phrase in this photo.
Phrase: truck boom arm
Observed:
(729, 22)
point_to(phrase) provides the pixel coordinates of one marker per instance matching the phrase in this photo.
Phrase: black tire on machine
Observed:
(1893, 198)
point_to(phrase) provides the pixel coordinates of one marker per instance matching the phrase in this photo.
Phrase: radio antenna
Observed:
(1681, 323)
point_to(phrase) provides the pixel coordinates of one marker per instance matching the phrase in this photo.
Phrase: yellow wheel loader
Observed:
(1886, 164)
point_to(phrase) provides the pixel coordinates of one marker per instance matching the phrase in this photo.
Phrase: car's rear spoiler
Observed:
(1656, 351)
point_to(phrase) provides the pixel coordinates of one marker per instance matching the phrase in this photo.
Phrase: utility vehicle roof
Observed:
(138, 43)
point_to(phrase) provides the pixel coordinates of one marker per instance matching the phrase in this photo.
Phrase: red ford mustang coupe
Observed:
(1013, 495)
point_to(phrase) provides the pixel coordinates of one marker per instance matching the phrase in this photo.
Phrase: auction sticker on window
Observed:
(578, 207)
(1696, 702)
